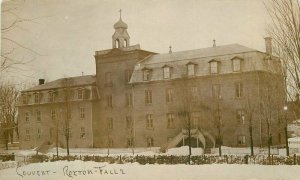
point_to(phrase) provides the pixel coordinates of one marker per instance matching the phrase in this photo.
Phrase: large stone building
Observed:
(143, 99)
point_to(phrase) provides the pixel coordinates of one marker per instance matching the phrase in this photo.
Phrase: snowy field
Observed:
(93, 170)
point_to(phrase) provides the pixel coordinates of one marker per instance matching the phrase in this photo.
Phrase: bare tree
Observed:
(67, 109)
(284, 28)
(15, 55)
(8, 112)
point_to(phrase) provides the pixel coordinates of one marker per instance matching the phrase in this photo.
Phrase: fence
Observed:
(164, 159)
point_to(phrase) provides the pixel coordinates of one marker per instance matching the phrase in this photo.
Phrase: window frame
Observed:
(239, 88)
(241, 116)
(148, 97)
(38, 116)
(170, 121)
(82, 112)
(191, 71)
(150, 142)
(242, 141)
(166, 72)
(214, 67)
(109, 101)
(169, 95)
(149, 121)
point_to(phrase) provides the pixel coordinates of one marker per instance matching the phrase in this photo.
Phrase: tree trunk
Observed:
(286, 141)
(190, 148)
(251, 138)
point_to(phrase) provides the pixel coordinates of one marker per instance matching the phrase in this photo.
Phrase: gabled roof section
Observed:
(75, 81)
(237, 57)
(213, 60)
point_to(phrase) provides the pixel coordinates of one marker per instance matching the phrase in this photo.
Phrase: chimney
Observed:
(41, 81)
(268, 42)
(214, 43)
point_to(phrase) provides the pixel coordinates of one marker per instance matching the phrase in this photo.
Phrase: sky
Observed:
(66, 33)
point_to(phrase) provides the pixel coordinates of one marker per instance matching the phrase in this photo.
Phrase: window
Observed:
(82, 112)
(238, 90)
(129, 102)
(38, 116)
(170, 117)
(53, 114)
(109, 123)
(194, 93)
(148, 97)
(169, 95)
(27, 135)
(27, 117)
(108, 79)
(25, 99)
(109, 101)
(236, 65)
(36, 98)
(128, 74)
(150, 142)
(216, 91)
(129, 142)
(38, 132)
(191, 69)
(82, 132)
(129, 122)
(51, 96)
(214, 67)
(166, 71)
(241, 140)
(68, 131)
(240, 116)
(146, 74)
(149, 121)
(80, 93)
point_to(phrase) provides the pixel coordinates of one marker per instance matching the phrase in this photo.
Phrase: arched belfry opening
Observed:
(121, 37)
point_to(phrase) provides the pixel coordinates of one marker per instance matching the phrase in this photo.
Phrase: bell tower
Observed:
(121, 37)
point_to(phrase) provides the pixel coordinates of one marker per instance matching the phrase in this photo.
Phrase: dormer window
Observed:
(51, 96)
(191, 69)
(25, 98)
(146, 74)
(80, 94)
(214, 69)
(166, 72)
(236, 64)
(36, 98)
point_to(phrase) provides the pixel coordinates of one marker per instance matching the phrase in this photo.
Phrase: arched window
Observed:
(117, 43)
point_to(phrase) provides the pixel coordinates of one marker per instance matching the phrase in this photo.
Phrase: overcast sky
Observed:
(68, 32)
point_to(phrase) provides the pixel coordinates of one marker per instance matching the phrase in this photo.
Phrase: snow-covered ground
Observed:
(93, 170)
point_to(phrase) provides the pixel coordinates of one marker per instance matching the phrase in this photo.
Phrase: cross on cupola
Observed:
(121, 37)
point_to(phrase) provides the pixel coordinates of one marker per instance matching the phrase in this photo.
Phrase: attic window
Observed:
(166, 72)
(191, 69)
(236, 64)
(214, 67)
(146, 74)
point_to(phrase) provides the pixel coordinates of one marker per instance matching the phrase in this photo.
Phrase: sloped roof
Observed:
(197, 53)
(179, 60)
(75, 81)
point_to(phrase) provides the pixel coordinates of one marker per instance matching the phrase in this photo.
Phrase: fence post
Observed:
(294, 159)
(120, 159)
(226, 159)
(272, 160)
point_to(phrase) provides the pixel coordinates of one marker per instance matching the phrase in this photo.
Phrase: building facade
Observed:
(225, 95)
